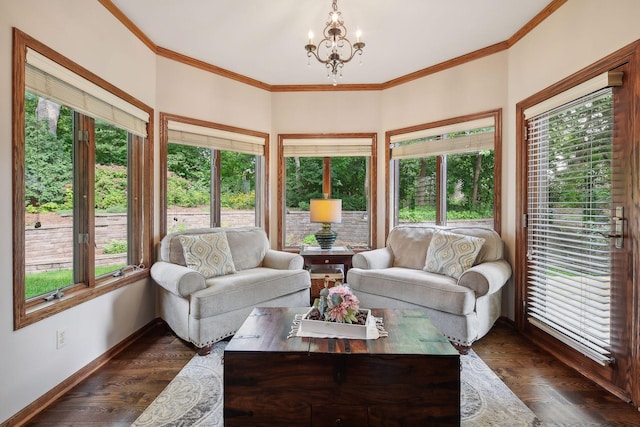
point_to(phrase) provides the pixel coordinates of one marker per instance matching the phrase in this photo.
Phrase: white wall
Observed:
(194, 93)
(324, 112)
(86, 33)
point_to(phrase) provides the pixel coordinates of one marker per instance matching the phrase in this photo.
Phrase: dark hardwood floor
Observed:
(118, 393)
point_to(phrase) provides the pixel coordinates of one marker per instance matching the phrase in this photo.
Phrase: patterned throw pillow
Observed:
(451, 254)
(208, 254)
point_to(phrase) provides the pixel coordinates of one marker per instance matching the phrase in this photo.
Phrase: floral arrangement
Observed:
(338, 304)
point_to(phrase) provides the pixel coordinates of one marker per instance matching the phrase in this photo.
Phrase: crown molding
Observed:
(472, 56)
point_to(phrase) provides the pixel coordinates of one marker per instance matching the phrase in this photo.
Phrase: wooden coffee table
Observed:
(410, 378)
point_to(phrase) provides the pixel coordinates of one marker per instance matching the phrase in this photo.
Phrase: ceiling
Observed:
(264, 40)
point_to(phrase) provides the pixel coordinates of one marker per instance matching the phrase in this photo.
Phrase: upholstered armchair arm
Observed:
(282, 260)
(486, 278)
(374, 259)
(177, 279)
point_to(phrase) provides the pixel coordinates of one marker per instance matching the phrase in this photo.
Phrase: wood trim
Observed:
(389, 216)
(18, 160)
(164, 140)
(634, 231)
(327, 88)
(40, 404)
(265, 185)
(469, 57)
(460, 60)
(187, 60)
(148, 177)
(280, 200)
(373, 173)
(497, 171)
(326, 176)
(519, 263)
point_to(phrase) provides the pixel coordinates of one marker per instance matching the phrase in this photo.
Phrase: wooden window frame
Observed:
(35, 309)
(497, 172)
(326, 180)
(262, 216)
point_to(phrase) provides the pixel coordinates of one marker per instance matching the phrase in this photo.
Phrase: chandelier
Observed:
(335, 49)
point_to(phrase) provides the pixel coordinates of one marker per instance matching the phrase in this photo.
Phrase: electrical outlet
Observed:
(61, 338)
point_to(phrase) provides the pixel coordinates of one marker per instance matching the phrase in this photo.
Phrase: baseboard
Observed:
(40, 404)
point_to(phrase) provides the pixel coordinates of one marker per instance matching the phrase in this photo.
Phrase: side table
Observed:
(314, 255)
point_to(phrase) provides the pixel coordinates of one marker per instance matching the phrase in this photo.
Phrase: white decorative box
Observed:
(325, 329)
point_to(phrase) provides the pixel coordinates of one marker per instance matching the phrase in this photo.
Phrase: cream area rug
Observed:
(195, 398)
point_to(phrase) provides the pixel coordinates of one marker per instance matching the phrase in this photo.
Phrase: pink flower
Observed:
(337, 313)
(341, 304)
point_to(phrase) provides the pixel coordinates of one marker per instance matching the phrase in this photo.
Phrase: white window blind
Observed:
(327, 147)
(50, 80)
(203, 136)
(473, 136)
(569, 205)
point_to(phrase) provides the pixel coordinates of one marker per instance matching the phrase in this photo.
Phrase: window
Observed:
(82, 213)
(335, 166)
(214, 175)
(447, 173)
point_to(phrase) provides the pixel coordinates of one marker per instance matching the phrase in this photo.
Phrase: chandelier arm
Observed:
(334, 42)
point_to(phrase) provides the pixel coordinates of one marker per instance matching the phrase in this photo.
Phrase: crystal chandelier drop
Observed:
(335, 49)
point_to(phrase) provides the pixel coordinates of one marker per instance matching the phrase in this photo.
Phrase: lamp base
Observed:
(326, 236)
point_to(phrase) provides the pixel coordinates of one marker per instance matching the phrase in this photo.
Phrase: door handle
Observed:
(618, 223)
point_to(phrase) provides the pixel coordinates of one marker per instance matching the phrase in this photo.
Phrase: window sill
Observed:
(37, 309)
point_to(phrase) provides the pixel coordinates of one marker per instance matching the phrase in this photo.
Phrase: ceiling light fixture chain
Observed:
(335, 49)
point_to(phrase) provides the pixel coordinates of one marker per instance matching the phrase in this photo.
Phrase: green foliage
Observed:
(238, 200)
(303, 180)
(309, 239)
(568, 184)
(189, 177)
(427, 214)
(48, 154)
(115, 247)
(304, 205)
(111, 144)
(348, 178)
(182, 192)
(417, 215)
(110, 186)
(191, 163)
(237, 172)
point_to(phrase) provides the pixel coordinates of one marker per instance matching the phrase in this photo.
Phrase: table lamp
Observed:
(325, 211)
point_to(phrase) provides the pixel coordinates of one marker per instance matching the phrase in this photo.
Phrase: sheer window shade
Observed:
(569, 204)
(467, 143)
(327, 147)
(460, 144)
(203, 136)
(49, 79)
(607, 79)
